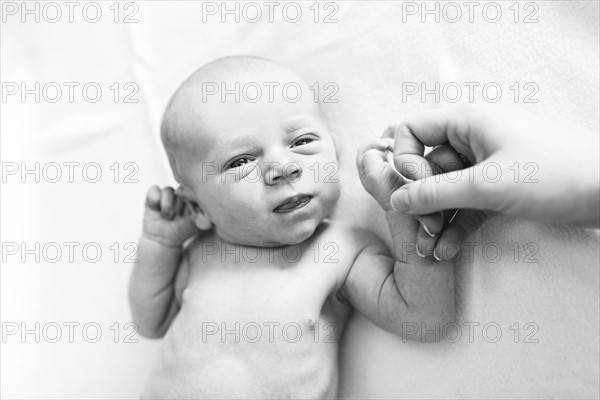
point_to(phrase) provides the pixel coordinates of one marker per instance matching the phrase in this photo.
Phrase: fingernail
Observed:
(436, 256)
(419, 253)
(453, 253)
(426, 229)
(399, 200)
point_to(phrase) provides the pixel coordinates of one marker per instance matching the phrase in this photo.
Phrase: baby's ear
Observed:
(193, 209)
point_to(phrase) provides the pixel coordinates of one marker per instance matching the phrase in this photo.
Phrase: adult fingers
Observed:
(456, 189)
(464, 224)
(454, 125)
(442, 159)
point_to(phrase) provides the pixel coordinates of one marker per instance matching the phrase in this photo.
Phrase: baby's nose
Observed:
(277, 171)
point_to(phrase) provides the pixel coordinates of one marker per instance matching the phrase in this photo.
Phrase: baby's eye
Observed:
(303, 141)
(239, 162)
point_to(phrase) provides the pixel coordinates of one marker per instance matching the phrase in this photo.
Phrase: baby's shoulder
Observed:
(350, 238)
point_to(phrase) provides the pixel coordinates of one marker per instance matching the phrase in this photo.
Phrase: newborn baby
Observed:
(239, 268)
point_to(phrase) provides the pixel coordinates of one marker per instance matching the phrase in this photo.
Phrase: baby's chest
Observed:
(226, 291)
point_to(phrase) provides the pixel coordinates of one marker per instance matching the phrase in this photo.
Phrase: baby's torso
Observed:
(257, 322)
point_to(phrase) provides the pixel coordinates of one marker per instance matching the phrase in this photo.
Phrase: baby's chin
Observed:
(296, 234)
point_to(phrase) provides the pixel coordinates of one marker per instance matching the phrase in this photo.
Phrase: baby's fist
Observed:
(166, 219)
(377, 175)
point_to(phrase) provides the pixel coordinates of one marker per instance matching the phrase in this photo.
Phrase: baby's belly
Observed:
(217, 349)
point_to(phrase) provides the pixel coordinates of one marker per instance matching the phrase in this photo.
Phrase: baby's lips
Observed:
(292, 202)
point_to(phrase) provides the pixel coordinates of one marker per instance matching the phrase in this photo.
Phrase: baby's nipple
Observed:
(311, 324)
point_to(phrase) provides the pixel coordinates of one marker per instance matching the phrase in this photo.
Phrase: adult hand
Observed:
(514, 163)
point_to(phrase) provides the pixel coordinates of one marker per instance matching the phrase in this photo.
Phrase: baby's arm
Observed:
(406, 293)
(161, 272)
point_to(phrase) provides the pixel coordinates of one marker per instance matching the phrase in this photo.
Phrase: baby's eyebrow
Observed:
(296, 123)
(238, 142)
(232, 146)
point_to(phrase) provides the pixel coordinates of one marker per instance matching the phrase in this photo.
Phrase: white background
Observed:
(371, 51)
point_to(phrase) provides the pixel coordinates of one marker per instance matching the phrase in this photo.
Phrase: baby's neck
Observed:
(222, 239)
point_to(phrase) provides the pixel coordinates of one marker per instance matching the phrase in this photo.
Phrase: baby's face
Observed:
(264, 173)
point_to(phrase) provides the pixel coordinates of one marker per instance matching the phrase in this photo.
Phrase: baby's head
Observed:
(257, 169)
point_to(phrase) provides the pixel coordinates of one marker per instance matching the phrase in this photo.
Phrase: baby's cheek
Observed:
(239, 210)
(331, 195)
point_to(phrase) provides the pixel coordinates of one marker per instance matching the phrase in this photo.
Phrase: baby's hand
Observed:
(167, 219)
(377, 175)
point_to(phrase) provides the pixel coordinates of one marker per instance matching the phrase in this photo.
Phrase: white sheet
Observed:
(369, 54)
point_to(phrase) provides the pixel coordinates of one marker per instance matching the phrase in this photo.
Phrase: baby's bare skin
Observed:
(267, 199)
(295, 305)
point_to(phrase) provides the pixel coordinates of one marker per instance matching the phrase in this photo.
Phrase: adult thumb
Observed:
(457, 189)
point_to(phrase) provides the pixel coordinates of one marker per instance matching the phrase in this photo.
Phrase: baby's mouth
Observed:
(293, 203)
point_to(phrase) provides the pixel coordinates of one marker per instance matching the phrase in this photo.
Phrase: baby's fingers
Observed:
(383, 144)
(153, 198)
(465, 223)
(180, 205)
(430, 227)
(381, 147)
(167, 203)
(372, 163)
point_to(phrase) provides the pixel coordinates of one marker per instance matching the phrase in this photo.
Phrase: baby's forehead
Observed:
(221, 124)
(220, 98)
(227, 89)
